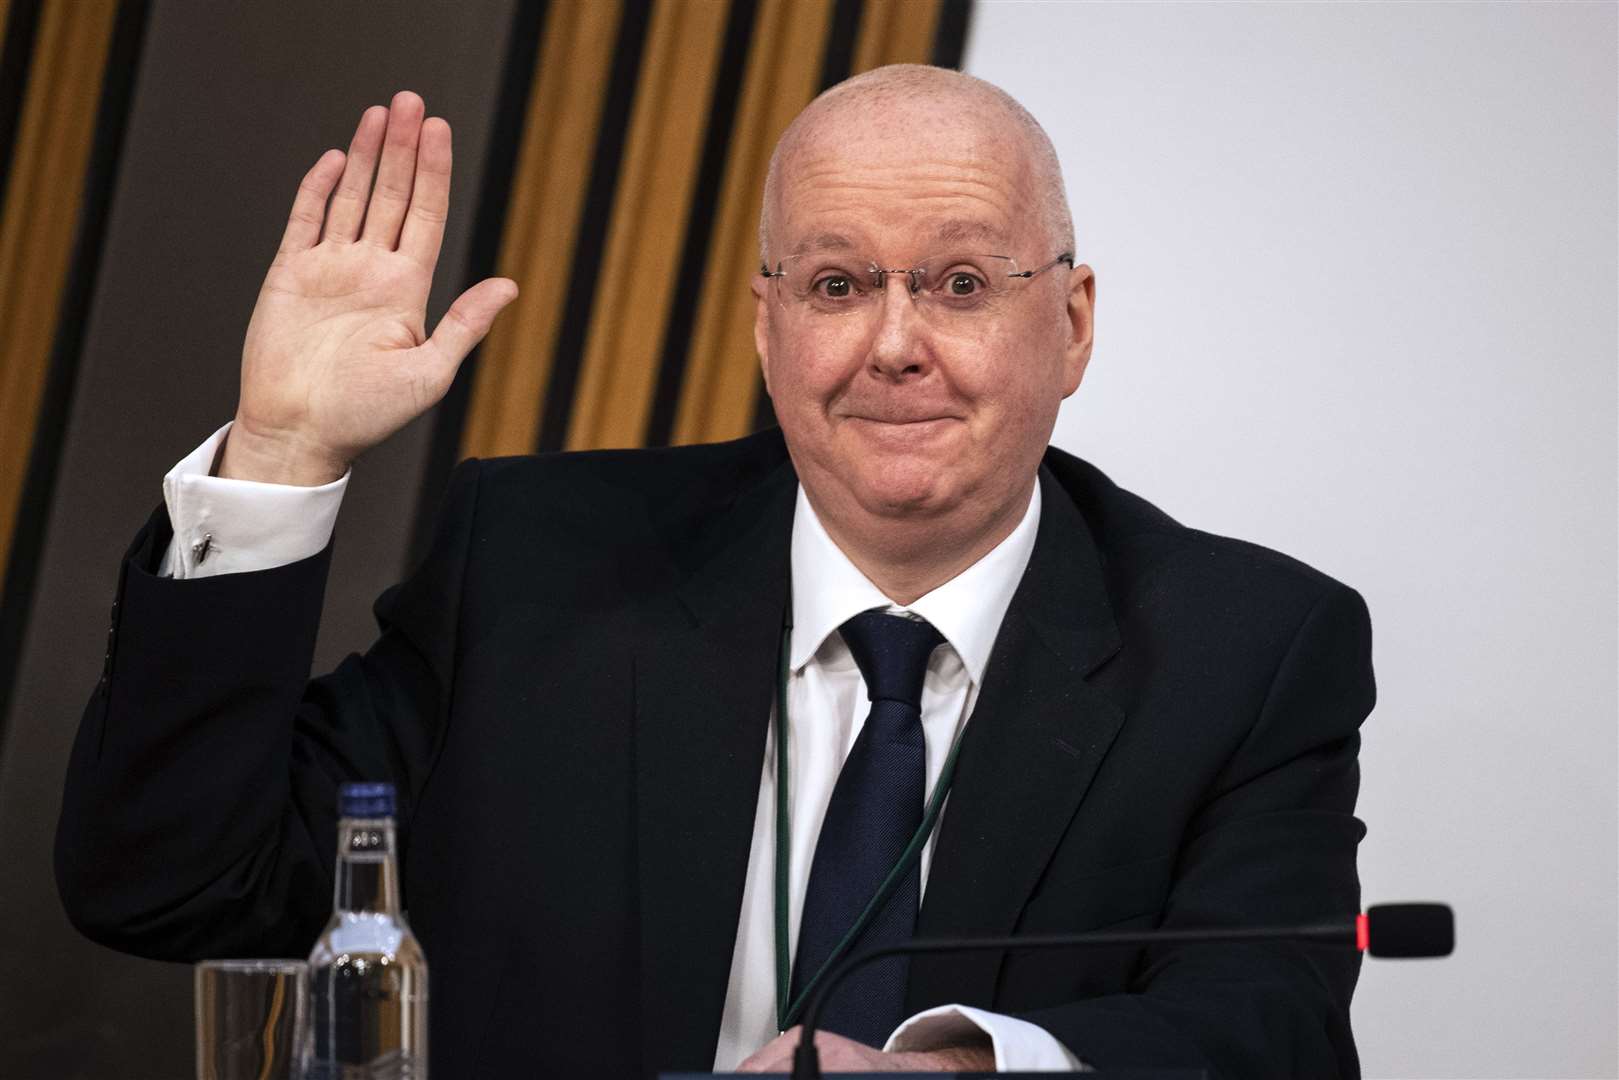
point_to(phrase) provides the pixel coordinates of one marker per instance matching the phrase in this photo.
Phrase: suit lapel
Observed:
(1029, 753)
(704, 677)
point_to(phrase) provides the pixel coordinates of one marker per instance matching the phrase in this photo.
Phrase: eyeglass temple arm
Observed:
(1066, 257)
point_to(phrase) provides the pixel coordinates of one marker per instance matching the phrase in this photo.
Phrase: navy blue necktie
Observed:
(876, 808)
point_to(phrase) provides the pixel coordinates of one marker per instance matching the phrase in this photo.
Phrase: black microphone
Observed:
(1390, 931)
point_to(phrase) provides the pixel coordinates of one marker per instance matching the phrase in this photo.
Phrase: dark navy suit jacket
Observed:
(573, 691)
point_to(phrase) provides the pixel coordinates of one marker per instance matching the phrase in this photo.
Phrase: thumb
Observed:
(469, 319)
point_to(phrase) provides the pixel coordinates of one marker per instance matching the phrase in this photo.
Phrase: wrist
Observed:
(980, 1057)
(275, 459)
(972, 1055)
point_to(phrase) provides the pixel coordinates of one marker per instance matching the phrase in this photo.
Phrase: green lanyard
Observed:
(788, 1012)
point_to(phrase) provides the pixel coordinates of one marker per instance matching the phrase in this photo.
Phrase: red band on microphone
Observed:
(1363, 933)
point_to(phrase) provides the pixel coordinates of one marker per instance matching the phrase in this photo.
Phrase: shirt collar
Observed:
(828, 590)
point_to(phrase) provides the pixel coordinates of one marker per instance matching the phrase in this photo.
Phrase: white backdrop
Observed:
(1357, 301)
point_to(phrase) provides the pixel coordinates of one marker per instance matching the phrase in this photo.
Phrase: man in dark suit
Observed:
(588, 691)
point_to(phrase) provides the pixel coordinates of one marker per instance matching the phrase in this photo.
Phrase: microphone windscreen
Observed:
(1403, 931)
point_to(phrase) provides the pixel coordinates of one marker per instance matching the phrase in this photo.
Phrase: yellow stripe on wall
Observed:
(722, 372)
(895, 32)
(650, 208)
(542, 223)
(39, 219)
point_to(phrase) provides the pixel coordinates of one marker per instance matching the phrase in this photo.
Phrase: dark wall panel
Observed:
(232, 103)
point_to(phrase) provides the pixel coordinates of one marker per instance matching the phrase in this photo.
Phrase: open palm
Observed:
(337, 356)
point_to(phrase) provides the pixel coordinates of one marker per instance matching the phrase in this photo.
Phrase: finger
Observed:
(309, 205)
(343, 217)
(395, 172)
(469, 319)
(775, 1055)
(767, 1055)
(430, 201)
(766, 1060)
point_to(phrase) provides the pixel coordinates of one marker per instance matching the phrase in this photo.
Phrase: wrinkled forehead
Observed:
(903, 182)
(935, 234)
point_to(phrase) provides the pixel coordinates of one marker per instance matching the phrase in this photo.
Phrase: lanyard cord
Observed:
(788, 1011)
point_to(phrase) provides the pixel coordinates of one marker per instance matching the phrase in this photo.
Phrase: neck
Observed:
(912, 558)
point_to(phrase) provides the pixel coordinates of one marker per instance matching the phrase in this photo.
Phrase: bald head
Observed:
(914, 100)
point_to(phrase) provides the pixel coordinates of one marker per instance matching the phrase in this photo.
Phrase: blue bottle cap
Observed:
(365, 800)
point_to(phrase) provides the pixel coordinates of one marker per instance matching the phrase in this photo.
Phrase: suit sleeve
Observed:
(1273, 843)
(199, 812)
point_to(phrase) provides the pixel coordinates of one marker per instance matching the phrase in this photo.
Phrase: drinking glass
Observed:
(250, 1018)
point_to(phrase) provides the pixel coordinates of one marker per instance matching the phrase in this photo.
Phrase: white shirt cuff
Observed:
(1019, 1045)
(226, 526)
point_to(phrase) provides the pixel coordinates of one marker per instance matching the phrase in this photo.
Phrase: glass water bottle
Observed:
(367, 974)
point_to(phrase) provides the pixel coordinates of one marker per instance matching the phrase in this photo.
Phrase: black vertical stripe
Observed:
(101, 173)
(950, 38)
(16, 58)
(837, 58)
(574, 327)
(764, 413)
(483, 253)
(695, 253)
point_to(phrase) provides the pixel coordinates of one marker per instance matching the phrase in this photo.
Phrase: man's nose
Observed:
(899, 346)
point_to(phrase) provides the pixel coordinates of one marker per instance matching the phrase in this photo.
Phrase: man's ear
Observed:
(1081, 326)
(761, 325)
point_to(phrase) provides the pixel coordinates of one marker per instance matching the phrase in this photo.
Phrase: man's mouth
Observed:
(905, 428)
(902, 418)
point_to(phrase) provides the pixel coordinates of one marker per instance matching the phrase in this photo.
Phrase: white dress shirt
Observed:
(229, 526)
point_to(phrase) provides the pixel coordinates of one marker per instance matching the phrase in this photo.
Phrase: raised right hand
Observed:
(337, 357)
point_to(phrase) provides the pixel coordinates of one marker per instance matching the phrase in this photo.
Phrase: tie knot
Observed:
(892, 654)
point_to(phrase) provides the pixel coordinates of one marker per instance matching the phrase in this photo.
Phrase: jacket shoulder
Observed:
(698, 477)
(590, 524)
(1147, 555)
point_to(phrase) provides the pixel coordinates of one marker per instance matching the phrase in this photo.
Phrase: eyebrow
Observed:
(826, 241)
(952, 231)
(962, 229)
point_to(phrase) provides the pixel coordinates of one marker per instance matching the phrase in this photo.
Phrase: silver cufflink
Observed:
(199, 550)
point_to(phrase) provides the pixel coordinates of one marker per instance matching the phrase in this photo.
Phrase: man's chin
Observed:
(878, 479)
(910, 493)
